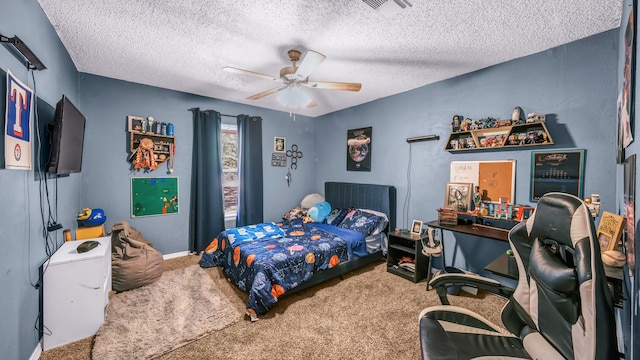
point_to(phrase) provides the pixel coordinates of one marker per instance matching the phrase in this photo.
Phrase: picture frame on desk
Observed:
(610, 230)
(458, 196)
(416, 227)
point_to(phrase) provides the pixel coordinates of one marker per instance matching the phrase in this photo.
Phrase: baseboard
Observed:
(35, 355)
(175, 255)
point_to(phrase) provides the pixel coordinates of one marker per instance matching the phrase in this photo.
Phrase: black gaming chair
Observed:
(561, 308)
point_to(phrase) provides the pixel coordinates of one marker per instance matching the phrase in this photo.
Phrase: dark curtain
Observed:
(207, 208)
(250, 192)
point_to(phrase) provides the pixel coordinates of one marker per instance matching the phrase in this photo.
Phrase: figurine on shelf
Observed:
(455, 123)
(513, 139)
(150, 124)
(476, 199)
(464, 125)
(517, 116)
(484, 211)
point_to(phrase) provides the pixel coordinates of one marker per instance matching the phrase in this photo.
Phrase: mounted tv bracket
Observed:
(33, 63)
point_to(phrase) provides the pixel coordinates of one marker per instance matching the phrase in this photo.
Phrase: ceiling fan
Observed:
(293, 77)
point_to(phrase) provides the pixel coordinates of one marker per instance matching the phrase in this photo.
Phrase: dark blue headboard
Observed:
(364, 196)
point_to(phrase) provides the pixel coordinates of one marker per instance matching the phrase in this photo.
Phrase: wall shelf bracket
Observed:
(33, 63)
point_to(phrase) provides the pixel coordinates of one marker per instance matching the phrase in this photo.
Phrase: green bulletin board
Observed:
(154, 196)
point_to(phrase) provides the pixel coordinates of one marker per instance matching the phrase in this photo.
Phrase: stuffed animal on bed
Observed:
(319, 212)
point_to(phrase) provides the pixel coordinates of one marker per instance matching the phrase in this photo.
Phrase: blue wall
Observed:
(106, 175)
(575, 85)
(23, 246)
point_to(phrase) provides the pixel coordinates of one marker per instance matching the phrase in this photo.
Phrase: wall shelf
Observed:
(161, 145)
(513, 136)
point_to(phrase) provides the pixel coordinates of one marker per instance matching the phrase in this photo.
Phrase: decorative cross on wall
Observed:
(294, 154)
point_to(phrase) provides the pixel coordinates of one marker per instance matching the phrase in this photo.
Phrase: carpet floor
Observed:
(370, 314)
(180, 307)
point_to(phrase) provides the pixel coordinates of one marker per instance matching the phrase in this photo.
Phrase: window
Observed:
(230, 169)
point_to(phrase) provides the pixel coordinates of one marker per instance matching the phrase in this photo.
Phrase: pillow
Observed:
(360, 221)
(336, 216)
(295, 213)
(382, 224)
(311, 200)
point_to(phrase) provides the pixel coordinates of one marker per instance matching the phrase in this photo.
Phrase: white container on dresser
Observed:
(75, 292)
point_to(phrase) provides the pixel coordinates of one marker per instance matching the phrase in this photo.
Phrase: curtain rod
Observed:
(233, 116)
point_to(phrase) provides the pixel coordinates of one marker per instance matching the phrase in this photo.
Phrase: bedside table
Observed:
(409, 246)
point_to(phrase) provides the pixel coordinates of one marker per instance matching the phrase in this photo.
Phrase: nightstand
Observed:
(405, 245)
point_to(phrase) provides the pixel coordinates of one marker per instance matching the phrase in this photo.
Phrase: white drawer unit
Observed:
(75, 292)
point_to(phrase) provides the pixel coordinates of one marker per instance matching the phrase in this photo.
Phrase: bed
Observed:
(271, 260)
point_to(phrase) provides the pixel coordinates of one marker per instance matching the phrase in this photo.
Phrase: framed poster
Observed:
(557, 171)
(630, 212)
(626, 96)
(154, 196)
(18, 114)
(359, 149)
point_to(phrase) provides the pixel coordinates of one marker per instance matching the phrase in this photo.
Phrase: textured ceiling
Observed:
(184, 44)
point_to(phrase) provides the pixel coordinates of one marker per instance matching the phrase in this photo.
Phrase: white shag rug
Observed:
(182, 306)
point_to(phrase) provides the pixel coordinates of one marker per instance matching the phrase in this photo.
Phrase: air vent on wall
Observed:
(388, 8)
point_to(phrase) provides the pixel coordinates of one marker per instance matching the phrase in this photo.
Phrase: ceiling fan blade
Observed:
(333, 85)
(265, 93)
(310, 62)
(251, 73)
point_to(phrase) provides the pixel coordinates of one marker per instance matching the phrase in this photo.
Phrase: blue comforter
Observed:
(269, 266)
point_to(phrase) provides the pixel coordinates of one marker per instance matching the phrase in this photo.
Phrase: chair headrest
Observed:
(562, 217)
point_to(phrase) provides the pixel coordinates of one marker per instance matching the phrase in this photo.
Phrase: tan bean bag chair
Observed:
(134, 260)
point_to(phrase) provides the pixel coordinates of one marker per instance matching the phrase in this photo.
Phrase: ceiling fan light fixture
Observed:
(294, 97)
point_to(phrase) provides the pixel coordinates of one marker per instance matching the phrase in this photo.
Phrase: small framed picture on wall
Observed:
(135, 123)
(279, 144)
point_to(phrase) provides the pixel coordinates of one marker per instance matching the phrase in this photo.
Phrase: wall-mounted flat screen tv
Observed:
(66, 139)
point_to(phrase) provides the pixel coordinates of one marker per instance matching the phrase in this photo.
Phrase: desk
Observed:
(478, 230)
(500, 266)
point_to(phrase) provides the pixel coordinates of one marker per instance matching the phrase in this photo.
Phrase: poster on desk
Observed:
(561, 171)
(17, 135)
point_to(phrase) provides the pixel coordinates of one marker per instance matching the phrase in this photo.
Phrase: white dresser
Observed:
(75, 292)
